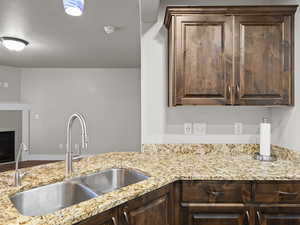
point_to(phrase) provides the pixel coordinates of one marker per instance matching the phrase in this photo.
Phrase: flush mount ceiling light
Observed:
(14, 44)
(74, 7)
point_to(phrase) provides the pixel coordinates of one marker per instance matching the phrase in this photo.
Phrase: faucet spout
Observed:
(84, 140)
(18, 175)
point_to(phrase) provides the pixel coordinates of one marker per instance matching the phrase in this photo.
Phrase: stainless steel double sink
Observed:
(50, 198)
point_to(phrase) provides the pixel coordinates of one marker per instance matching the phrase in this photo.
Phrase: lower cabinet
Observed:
(213, 203)
(237, 203)
(283, 215)
(109, 217)
(277, 203)
(214, 215)
(210, 203)
(154, 208)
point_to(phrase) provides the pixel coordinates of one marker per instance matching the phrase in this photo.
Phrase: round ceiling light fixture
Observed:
(14, 44)
(74, 7)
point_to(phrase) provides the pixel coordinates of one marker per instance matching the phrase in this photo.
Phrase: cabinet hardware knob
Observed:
(238, 89)
(216, 193)
(114, 220)
(259, 217)
(287, 193)
(229, 94)
(248, 216)
(126, 217)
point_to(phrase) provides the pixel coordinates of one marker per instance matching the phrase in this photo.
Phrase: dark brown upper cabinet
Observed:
(237, 55)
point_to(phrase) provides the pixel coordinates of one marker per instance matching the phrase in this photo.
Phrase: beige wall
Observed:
(11, 75)
(110, 99)
(160, 123)
(286, 121)
(11, 120)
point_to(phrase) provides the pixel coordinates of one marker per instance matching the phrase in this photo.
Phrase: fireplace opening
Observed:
(7, 146)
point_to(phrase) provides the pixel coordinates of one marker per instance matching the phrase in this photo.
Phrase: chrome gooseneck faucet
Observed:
(84, 140)
(18, 175)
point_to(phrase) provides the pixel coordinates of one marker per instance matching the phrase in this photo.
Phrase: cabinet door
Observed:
(277, 192)
(202, 45)
(216, 192)
(208, 214)
(278, 219)
(153, 208)
(216, 219)
(278, 214)
(263, 65)
(109, 217)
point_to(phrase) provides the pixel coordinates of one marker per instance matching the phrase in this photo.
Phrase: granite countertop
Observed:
(165, 164)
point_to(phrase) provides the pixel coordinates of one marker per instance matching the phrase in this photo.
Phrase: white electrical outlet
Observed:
(5, 84)
(200, 128)
(188, 128)
(37, 116)
(60, 146)
(238, 128)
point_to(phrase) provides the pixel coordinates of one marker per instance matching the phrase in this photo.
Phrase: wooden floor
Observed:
(11, 166)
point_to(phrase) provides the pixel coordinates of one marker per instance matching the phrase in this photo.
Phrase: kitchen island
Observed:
(165, 164)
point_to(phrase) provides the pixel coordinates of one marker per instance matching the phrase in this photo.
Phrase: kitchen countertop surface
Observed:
(165, 164)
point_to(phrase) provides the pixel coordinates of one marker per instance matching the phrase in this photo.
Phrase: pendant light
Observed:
(74, 7)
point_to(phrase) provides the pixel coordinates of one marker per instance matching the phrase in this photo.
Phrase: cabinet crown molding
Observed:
(229, 10)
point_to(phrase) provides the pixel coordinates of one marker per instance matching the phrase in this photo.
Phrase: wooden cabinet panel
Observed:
(210, 203)
(153, 208)
(280, 219)
(263, 66)
(216, 219)
(231, 55)
(214, 203)
(203, 59)
(153, 213)
(109, 217)
(214, 214)
(277, 192)
(281, 215)
(216, 192)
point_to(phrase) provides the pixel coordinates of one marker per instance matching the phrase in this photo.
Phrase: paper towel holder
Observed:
(268, 157)
(265, 158)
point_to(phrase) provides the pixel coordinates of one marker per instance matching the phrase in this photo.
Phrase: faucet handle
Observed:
(18, 177)
(78, 157)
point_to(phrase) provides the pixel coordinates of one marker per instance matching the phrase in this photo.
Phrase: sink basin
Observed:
(110, 180)
(50, 198)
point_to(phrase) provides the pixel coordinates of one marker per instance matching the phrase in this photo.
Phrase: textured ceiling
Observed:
(59, 40)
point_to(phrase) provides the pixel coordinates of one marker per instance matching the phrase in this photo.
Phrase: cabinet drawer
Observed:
(281, 215)
(217, 219)
(216, 192)
(277, 192)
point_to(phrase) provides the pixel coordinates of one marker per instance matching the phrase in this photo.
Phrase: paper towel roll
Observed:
(265, 139)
